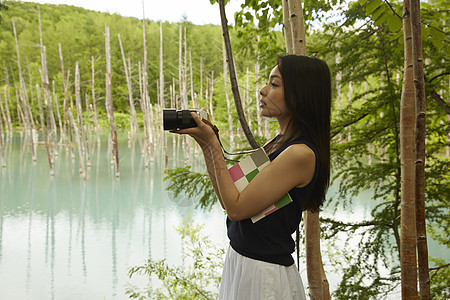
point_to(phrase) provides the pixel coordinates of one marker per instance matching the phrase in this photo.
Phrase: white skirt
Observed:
(249, 279)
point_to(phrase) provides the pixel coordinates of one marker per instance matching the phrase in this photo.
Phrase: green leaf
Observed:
(372, 5)
(378, 12)
(436, 34)
(361, 2)
(394, 23)
(382, 19)
(437, 43)
(398, 34)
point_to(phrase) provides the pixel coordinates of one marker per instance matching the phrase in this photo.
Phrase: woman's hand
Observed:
(203, 134)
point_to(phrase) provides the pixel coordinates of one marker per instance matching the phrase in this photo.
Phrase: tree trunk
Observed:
(146, 98)
(230, 115)
(2, 148)
(233, 79)
(258, 109)
(407, 110)
(211, 93)
(44, 132)
(419, 87)
(109, 104)
(161, 94)
(316, 275)
(297, 27)
(287, 27)
(94, 101)
(127, 68)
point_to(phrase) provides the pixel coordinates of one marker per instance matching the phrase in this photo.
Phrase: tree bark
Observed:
(420, 131)
(407, 120)
(297, 27)
(287, 27)
(233, 79)
(317, 280)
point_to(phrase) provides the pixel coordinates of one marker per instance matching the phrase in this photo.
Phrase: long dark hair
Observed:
(307, 92)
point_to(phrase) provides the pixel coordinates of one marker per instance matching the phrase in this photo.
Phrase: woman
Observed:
(259, 264)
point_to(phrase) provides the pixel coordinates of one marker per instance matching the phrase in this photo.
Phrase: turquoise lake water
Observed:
(62, 237)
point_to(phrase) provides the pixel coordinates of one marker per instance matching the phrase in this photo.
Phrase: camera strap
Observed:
(216, 131)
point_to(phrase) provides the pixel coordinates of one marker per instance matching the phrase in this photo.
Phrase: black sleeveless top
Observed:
(270, 239)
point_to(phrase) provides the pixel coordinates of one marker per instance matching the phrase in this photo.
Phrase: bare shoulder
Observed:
(299, 154)
(298, 161)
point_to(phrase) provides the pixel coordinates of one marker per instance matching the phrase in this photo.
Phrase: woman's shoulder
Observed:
(299, 152)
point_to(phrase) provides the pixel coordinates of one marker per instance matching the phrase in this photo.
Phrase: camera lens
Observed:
(178, 119)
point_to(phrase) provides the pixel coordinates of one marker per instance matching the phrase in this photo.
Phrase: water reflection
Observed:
(65, 238)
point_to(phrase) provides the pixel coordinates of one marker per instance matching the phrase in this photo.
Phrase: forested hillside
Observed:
(81, 34)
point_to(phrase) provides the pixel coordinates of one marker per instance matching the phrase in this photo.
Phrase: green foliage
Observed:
(440, 277)
(2, 7)
(194, 184)
(199, 279)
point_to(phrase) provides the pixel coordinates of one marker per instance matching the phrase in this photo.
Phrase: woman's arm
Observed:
(293, 167)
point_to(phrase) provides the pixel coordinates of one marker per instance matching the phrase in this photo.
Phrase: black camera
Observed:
(180, 119)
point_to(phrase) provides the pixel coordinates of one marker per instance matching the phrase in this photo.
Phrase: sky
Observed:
(199, 12)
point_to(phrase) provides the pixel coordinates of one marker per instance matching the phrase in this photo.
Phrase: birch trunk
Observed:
(233, 79)
(407, 229)
(316, 275)
(420, 136)
(297, 27)
(287, 27)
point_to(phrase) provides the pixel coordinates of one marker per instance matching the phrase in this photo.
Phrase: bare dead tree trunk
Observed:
(109, 104)
(211, 93)
(233, 79)
(44, 131)
(147, 109)
(94, 101)
(420, 132)
(230, 115)
(2, 147)
(161, 94)
(127, 68)
(58, 113)
(258, 109)
(8, 114)
(26, 110)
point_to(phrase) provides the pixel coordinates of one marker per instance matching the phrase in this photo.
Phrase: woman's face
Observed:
(272, 102)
